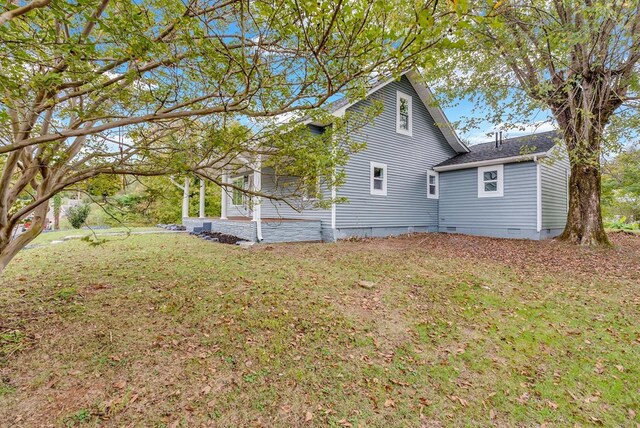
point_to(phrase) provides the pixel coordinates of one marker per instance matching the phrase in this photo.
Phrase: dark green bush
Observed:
(78, 214)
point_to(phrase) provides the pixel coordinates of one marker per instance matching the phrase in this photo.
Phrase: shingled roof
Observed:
(533, 144)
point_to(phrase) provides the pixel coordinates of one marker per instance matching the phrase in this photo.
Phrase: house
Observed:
(415, 175)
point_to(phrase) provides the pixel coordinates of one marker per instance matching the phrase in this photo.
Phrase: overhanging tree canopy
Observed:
(119, 87)
(577, 59)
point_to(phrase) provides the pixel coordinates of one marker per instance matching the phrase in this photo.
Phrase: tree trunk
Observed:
(584, 218)
(10, 247)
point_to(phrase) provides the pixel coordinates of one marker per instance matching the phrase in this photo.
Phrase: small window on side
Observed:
(433, 185)
(404, 121)
(490, 181)
(378, 179)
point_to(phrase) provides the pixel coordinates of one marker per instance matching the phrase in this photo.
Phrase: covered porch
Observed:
(241, 214)
(273, 230)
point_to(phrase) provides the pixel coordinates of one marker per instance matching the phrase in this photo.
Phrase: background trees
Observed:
(152, 87)
(621, 186)
(576, 59)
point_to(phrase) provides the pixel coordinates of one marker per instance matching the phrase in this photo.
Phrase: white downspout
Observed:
(223, 196)
(538, 195)
(202, 197)
(257, 202)
(185, 198)
(333, 193)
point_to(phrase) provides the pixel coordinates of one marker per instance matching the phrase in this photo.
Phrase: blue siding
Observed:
(407, 159)
(296, 209)
(513, 215)
(554, 180)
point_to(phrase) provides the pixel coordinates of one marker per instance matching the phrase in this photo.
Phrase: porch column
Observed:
(185, 198)
(202, 197)
(257, 187)
(223, 196)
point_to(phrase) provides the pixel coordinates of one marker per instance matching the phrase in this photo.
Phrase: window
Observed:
(238, 197)
(378, 179)
(490, 181)
(403, 114)
(312, 191)
(432, 185)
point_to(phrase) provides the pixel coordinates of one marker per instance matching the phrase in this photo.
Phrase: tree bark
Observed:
(584, 218)
(10, 247)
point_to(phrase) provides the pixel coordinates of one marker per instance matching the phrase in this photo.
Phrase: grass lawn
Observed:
(170, 330)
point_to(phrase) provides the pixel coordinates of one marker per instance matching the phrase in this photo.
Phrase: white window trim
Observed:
(307, 198)
(431, 173)
(500, 182)
(374, 191)
(410, 121)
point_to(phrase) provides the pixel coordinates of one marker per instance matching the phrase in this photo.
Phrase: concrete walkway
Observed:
(98, 234)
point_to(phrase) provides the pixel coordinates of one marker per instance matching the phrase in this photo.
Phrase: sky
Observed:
(464, 108)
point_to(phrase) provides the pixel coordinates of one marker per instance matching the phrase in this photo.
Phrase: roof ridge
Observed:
(510, 148)
(519, 137)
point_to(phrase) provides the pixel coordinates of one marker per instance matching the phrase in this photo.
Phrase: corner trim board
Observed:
(538, 196)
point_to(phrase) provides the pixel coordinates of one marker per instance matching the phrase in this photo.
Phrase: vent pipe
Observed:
(496, 140)
(500, 137)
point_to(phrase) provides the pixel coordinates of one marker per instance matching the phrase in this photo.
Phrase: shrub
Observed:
(78, 214)
(621, 224)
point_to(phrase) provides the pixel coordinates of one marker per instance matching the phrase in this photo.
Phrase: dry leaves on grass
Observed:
(549, 256)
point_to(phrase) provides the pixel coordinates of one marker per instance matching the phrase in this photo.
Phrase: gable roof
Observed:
(340, 106)
(511, 150)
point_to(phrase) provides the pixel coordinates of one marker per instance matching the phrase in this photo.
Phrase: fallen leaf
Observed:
(120, 384)
(389, 403)
(552, 405)
(523, 398)
(425, 402)
(620, 368)
(599, 368)
(308, 417)
(286, 408)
